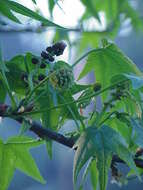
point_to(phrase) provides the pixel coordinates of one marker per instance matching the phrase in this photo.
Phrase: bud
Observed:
(41, 77)
(97, 86)
(35, 61)
(43, 65)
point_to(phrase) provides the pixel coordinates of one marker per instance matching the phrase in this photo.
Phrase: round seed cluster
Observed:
(61, 77)
(56, 49)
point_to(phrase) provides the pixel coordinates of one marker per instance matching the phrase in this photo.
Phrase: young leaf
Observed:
(107, 62)
(100, 143)
(15, 154)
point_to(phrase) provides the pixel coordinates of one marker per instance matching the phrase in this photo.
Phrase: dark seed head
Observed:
(47, 56)
(35, 61)
(44, 55)
(58, 48)
(49, 49)
(43, 65)
(51, 58)
(41, 77)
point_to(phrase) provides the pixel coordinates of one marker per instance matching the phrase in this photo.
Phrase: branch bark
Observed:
(46, 133)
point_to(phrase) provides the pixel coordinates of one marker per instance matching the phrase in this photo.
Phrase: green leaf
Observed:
(6, 11)
(34, 1)
(110, 8)
(71, 111)
(78, 88)
(2, 93)
(3, 70)
(14, 154)
(100, 143)
(14, 77)
(134, 15)
(18, 8)
(137, 132)
(91, 8)
(50, 119)
(51, 6)
(107, 62)
(49, 148)
(137, 81)
(24, 127)
(94, 175)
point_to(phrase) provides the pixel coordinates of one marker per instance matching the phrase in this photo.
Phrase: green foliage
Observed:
(44, 88)
(107, 62)
(101, 144)
(14, 154)
(9, 6)
(54, 105)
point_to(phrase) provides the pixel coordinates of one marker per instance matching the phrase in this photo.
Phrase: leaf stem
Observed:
(85, 55)
(108, 117)
(72, 113)
(74, 101)
(39, 85)
(5, 81)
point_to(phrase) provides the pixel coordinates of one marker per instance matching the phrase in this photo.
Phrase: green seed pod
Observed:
(62, 77)
(97, 86)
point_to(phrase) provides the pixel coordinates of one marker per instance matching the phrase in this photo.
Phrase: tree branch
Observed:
(46, 133)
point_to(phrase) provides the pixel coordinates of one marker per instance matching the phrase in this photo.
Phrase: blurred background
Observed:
(124, 26)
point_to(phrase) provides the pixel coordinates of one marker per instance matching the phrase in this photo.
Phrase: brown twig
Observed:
(46, 133)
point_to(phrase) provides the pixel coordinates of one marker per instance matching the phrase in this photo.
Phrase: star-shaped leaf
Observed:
(101, 144)
(14, 154)
(107, 62)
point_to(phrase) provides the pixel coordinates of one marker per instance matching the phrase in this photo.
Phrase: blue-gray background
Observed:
(57, 172)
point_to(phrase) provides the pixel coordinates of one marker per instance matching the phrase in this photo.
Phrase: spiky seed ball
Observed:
(61, 76)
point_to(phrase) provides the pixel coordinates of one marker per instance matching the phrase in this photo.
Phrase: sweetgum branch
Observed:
(46, 133)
